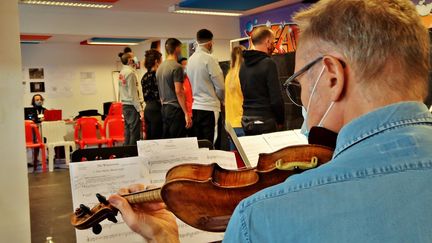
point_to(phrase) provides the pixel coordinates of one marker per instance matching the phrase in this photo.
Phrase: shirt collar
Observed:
(129, 68)
(203, 49)
(379, 120)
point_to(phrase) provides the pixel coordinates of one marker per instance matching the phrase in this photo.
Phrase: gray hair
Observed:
(377, 37)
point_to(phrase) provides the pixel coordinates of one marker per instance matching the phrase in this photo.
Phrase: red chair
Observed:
(86, 133)
(34, 141)
(115, 110)
(114, 128)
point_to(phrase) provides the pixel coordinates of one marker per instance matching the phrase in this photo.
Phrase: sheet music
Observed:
(156, 157)
(270, 142)
(253, 146)
(224, 159)
(105, 177)
(150, 147)
(159, 164)
(279, 140)
(301, 136)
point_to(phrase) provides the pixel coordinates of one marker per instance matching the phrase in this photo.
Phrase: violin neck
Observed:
(152, 195)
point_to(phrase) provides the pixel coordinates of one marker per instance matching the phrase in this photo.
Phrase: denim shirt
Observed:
(377, 188)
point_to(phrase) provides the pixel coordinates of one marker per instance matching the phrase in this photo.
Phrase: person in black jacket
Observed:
(263, 105)
(153, 108)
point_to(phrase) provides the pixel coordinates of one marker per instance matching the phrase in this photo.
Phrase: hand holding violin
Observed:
(151, 220)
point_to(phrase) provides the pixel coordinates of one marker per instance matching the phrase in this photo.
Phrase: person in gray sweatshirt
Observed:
(133, 111)
(208, 90)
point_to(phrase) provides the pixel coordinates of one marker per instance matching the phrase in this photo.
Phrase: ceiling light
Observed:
(180, 10)
(30, 42)
(66, 4)
(112, 43)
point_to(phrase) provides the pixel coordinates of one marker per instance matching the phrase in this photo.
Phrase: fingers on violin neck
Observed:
(137, 187)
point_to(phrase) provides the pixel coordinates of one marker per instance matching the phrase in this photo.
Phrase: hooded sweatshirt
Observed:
(129, 93)
(262, 91)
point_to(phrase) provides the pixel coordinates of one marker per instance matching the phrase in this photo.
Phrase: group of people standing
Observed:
(185, 97)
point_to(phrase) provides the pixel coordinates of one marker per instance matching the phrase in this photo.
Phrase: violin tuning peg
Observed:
(97, 229)
(112, 219)
(79, 213)
(85, 210)
(102, 199)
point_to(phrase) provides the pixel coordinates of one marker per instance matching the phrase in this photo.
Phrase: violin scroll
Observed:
(85, 218)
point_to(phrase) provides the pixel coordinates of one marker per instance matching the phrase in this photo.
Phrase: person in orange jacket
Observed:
(187, 87)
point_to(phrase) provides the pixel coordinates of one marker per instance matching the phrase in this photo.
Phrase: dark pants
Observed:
(153, 120)
(257, 125)
(174, 124)
(204, 124)
(132, 125)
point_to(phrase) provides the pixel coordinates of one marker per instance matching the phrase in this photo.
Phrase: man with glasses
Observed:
(365, 77)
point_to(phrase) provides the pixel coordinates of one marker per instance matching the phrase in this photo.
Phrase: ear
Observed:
(269, 41)
(337, 81)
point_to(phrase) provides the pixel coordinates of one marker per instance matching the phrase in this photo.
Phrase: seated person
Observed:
(362, 66)
(37, 103)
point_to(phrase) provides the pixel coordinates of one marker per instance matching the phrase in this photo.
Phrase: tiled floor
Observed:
(51, 206)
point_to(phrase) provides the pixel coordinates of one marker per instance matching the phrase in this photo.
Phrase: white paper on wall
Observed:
(58, 82)
(88, 83)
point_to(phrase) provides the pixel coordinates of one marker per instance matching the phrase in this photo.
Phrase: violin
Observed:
(219, 190)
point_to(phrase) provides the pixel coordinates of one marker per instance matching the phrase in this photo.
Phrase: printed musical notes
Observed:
(105, 177)
(270, 142)
(156, 158)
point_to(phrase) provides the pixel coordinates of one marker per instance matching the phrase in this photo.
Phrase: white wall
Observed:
(63, 62)
(221, 48)
(62, 65)
(14, 201)
(100, 23)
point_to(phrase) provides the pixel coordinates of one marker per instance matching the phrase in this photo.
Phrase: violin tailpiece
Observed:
(281, 165)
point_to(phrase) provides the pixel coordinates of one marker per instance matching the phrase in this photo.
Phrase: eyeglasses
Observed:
(292, 85)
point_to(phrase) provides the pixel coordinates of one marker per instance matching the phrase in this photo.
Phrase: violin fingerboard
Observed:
(145, 196)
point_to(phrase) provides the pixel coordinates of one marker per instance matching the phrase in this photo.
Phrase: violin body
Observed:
(205, 196)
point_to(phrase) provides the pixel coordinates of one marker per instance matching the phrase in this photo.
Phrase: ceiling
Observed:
(161, 6)
(144, 5)
(247, 6)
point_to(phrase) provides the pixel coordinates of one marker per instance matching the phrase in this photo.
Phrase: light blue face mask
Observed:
(135, 59)
(38, 103)
(304, 129)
